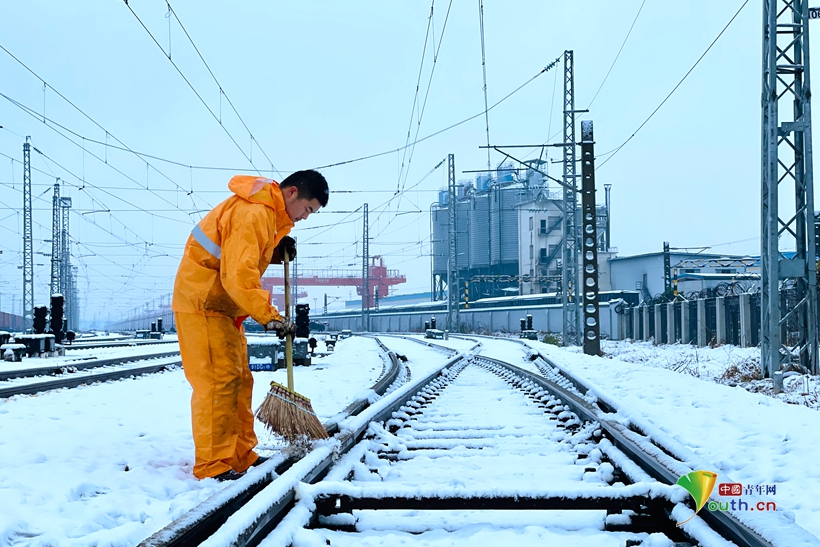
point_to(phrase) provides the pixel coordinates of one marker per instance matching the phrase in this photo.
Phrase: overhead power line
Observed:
(617, 55)
(448, 128)
(221, 89)
(618, 149)
(46, 85)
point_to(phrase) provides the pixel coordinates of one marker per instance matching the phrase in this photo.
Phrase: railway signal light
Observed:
(57, 317)
(302, 320)
(40, 318)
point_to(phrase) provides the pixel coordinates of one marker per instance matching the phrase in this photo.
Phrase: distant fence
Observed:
(545, 318)
(733, 319)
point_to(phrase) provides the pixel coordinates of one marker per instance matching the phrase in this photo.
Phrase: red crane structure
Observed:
(380, 278)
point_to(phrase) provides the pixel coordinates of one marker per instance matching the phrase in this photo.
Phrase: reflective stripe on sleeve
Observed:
(206, 242)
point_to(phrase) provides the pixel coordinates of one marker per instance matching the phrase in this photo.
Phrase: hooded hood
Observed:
(249, 187)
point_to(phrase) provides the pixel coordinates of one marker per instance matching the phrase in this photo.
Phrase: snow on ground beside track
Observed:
(751, 438)
(729, 365)
(110, 464)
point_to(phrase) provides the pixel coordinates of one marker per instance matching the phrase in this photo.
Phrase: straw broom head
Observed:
(289, 414)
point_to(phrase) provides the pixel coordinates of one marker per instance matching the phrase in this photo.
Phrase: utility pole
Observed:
(56, 239)
(788, 285)
(592, 326)
(65, 261)
(607, 189)
(667, 268)
(571, 309)
(74, 318)
(365, 273)
(28, 247)
(453, 324)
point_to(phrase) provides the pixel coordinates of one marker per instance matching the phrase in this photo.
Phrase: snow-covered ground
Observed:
(110, 464)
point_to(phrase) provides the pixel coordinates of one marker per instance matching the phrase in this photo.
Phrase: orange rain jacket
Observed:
(218, 284)
(229, 250)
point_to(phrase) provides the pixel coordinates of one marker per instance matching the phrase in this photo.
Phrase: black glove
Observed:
(282, 328)
(286, 244)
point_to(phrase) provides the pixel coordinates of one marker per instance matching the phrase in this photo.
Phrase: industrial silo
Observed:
(463, 207)
(480, 231)
(441, 249)
(504, 223)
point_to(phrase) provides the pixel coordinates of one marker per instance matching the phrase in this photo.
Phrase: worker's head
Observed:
(305, 192)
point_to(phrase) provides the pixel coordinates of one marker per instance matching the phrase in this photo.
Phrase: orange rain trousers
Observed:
(215, 359)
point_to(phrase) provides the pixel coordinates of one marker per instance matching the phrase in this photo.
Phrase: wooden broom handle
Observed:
(288, 337)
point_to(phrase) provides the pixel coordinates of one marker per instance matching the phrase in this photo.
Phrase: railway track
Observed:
(478, 435)
(115, 344)
(82, 372)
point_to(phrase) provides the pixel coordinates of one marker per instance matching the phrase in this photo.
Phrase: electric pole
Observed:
(56, 238)
(28, 248)
(571, 310)
(592, 326)
(453, 324)
(788, 285)
(65, 260)
(365, 273)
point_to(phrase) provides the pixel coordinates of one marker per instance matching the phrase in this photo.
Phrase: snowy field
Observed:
(109, 464)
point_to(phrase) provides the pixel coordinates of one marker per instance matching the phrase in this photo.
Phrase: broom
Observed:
(284, 411)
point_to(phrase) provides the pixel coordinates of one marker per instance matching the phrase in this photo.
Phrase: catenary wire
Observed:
(207, 107)
(618, 149)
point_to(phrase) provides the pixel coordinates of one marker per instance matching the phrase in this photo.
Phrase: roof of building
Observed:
(678, 253)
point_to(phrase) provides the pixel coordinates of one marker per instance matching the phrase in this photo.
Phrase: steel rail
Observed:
(202, 521)
(79, 380)
(85, 364)
(115, 344)
(264, 523)
(659, 464)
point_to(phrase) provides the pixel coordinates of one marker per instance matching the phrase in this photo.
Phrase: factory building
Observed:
(509, 234)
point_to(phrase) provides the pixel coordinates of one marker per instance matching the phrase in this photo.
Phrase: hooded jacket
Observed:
(229, 250)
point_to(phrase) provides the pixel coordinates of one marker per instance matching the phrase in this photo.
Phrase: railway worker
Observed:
(218, 285)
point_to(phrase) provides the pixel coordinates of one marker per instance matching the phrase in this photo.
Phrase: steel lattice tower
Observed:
(365, 273)
(788, 316)
(74, 318)
(452, 262)
(65, 260)
(56, 239)
(28, 248)
(571, 310)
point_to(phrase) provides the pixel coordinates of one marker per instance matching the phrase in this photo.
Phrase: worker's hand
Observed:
(282, 328)
(286, 244)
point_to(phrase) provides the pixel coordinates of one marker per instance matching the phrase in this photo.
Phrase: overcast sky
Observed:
(324, 82)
